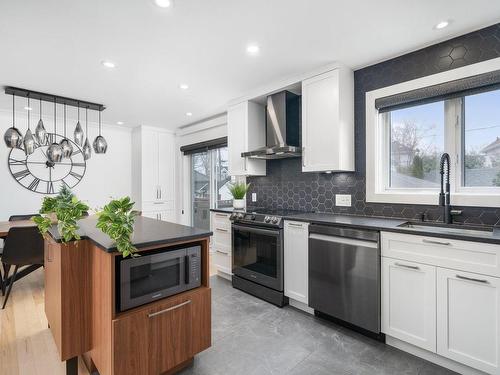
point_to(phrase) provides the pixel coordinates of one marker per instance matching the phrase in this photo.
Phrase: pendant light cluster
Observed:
(56, 152)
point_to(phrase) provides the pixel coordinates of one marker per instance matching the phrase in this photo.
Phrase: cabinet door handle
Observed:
(472, 279)
(406, 266)
(436, 242)
(221, 230)
(169, 309)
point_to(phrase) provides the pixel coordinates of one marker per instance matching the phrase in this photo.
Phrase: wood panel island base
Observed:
(81, 304)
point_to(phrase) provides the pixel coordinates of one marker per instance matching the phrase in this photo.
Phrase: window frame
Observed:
(378, 146)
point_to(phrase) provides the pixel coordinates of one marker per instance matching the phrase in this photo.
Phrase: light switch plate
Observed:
(254, 197)
(343, 200)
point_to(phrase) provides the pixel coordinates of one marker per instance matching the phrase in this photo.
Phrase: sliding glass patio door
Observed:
(209, 184)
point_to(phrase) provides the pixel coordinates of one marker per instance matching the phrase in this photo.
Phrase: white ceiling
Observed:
(56, 46)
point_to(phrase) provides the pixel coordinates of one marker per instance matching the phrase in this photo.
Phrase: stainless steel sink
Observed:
(456, 229)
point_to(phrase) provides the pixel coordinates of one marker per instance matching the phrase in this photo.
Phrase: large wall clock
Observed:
(37, 174)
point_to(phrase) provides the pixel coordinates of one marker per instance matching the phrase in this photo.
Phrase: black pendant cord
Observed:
(99, 123)
(78, 112)
(55, 121)
(13, 111)
(40, 108)
(87, 122)
(65, 120)
(29, 110)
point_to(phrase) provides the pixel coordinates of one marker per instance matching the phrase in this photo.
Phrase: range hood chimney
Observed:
(282, 128)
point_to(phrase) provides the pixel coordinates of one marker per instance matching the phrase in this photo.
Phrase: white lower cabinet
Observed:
(296, 237)
(448, 311)
(221, 243)
(468, 319)
(409, 302)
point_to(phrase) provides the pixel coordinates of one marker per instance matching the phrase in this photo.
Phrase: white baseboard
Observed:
(432, 357)
(301, 306)
(224, 275)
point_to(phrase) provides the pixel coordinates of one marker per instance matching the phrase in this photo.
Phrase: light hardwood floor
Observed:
(26, 344)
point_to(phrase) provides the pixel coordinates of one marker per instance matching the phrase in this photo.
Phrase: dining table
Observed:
(6, 225)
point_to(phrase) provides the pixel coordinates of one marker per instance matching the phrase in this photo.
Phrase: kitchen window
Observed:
(407, 133)
(209, 184)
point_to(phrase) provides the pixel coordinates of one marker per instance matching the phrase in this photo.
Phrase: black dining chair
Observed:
(22, 247)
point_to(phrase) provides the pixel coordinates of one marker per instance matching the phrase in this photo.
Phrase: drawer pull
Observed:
(295, 225)
(169, 309)
(472, 279)
(222, 252)
(406, 266)
(221, 230)
(436, 242)
(221, 215)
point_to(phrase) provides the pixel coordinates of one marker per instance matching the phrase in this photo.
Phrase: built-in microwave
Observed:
(156, 275)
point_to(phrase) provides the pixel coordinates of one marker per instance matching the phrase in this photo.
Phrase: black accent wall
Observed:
(285, 186)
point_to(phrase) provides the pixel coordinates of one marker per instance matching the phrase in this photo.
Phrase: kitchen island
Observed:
(82, 301)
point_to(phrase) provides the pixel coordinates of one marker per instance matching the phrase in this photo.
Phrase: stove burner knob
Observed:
(267, 219)
(240, 216)
(232, 216)
(275, 220)
(252, 217)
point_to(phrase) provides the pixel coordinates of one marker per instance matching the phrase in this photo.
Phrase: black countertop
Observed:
(147, 232)
(391, 225)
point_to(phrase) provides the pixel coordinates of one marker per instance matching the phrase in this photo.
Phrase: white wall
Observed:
(200, 132)
(107, 175)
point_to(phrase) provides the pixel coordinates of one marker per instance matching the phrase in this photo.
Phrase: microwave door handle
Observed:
(187, 268)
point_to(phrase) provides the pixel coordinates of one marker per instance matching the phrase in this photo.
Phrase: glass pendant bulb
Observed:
(29, 142)
(100, 144)
(12, 136)
(87, 150)
(78, 134)
(55, 153)
(40, 132)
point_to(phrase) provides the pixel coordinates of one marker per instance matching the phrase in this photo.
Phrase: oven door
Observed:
(151, 277)
(258, 255)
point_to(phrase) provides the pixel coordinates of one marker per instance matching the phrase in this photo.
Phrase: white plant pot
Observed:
(238, 204)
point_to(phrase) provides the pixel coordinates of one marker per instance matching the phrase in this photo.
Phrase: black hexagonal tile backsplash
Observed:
(285, 186)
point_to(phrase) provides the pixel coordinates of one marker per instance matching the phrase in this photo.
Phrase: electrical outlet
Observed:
(343, 200)
(254, 197)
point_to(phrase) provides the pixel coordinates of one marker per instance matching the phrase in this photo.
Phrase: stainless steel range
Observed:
(258, 253)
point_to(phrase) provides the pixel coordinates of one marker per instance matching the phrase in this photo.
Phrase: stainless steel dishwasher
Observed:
(344, 275)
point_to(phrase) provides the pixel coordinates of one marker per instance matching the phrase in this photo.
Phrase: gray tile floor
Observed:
(252, 337)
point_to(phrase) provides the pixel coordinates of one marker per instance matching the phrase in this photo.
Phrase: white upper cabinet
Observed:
(328, 121)
(153, 171)
(246, 131)
(296, 238)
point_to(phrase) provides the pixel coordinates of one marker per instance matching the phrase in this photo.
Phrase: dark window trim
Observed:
(196, 148)
(443, 91)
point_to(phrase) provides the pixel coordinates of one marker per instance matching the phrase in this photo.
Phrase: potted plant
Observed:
(238, 191)
(117, 221)
(64, 209)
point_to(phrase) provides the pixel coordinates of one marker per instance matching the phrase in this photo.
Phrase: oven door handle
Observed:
(187, 268)
(256, 230)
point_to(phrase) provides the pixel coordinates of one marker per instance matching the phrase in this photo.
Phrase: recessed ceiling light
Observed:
(253, 49)
(183, 86)
(442, 25)
(28, 108)
(108, 64)
(163, 3)
(120, 122)
(189, 114)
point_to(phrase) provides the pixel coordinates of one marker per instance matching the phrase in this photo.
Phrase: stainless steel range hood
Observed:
(282, 128)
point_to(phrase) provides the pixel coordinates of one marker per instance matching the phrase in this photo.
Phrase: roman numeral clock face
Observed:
(37, 174)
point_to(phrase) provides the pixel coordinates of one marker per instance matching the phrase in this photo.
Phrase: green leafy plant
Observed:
(239, 190)
(117, 221)
(67, 209)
